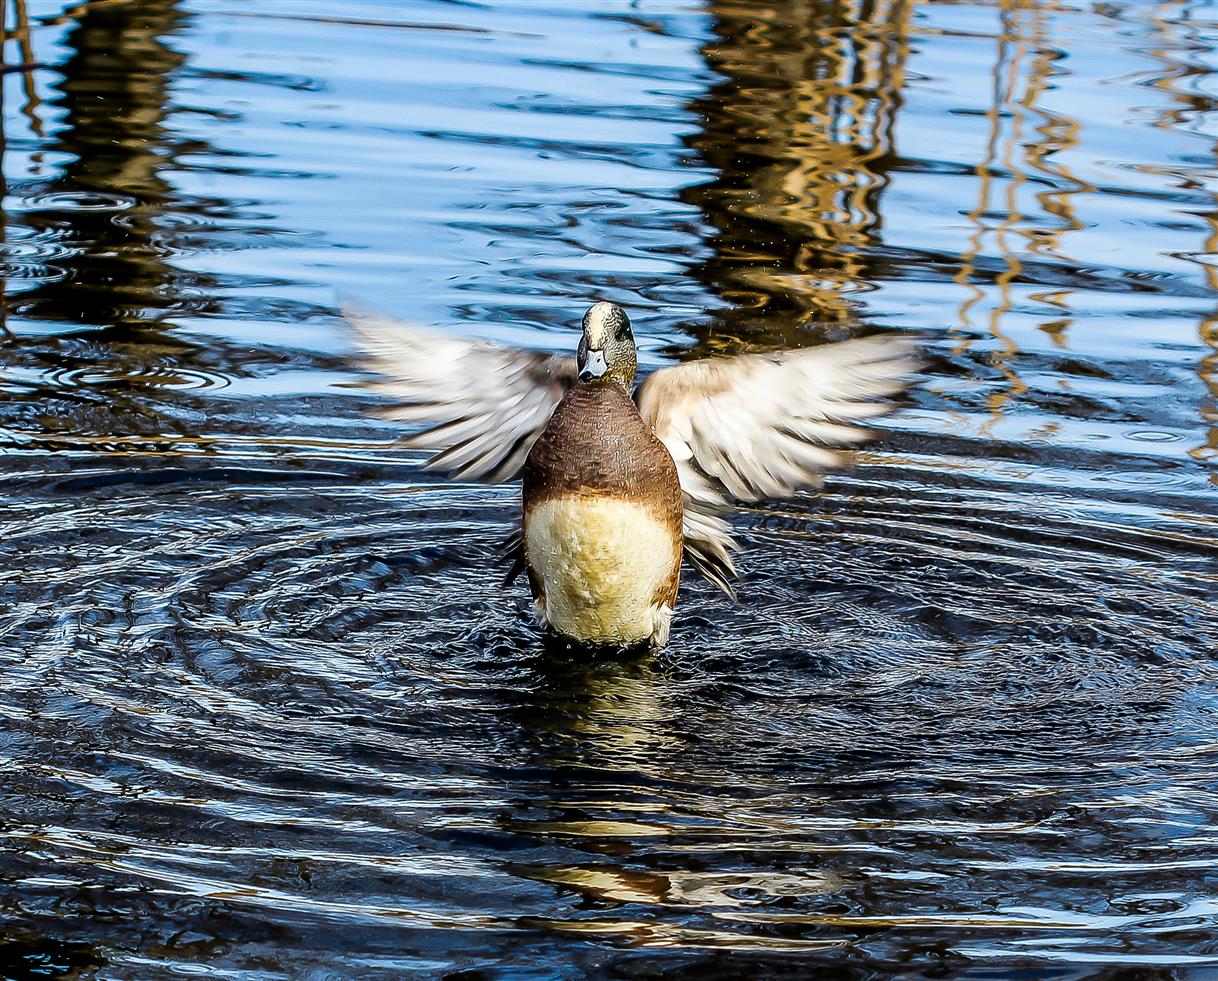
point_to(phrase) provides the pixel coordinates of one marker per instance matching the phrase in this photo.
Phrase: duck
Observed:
(624, 485)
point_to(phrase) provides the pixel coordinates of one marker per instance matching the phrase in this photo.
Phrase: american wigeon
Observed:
(617, 490)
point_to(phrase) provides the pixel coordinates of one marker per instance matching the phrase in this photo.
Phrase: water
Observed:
(267, 712)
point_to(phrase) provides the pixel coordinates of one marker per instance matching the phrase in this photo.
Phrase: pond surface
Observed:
(267, 711)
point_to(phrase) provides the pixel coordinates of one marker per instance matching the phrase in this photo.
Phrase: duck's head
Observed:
(606, 351)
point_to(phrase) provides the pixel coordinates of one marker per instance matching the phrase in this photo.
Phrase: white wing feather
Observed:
(485, 403)
(762, 426)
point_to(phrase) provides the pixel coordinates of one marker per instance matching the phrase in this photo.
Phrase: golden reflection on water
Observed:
(1032, 26)
(802, 127)
(1014, 152)
(1192, 106)
(117, 141)
(25, 64)
(810, 98)
(681, 887)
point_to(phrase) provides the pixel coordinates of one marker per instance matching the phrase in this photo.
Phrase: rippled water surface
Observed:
(266, 710)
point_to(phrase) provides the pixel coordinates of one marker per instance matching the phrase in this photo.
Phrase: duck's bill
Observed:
(593, 366)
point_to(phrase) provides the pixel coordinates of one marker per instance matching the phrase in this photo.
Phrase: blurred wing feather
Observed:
(485, 404)
(761, 426)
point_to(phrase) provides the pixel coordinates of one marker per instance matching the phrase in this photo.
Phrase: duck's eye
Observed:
(623, 331)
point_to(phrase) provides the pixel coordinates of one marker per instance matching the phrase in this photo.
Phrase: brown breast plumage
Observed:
(602, 520)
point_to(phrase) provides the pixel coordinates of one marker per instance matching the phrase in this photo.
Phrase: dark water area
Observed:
(266, 711)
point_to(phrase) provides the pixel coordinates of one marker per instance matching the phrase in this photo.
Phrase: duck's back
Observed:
(602, 520)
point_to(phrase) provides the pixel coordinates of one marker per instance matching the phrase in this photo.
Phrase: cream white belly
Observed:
(601, 563)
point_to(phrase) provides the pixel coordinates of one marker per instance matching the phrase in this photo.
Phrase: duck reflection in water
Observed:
(620, 489)
(604, 729)
(611, 737)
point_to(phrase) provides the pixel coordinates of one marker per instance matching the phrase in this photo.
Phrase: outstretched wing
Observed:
(763, 426)
(485, 404)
